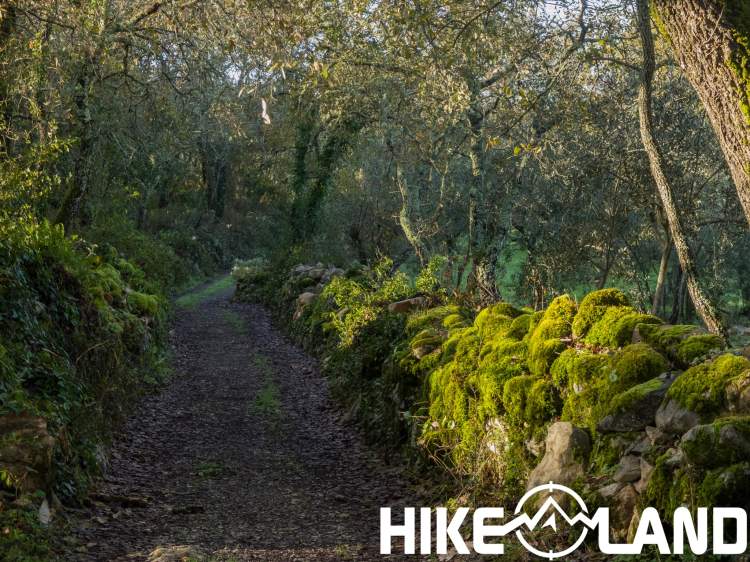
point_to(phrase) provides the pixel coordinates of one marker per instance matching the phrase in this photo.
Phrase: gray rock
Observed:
(718, 444)
(658, 437)
(609, 491)
(647, 470)
(26, 450)
(738, 394)
(407, 305)
(637, 415)
(567, 449)
(623, 509)
(629, 469)
(674, 419)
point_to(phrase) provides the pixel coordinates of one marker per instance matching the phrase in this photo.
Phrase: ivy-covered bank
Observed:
(592, 394)
(80, 334)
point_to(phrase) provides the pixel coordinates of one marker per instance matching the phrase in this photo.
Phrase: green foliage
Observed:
(22, 537)
(428, 280)
(76, 339)
(702, 387)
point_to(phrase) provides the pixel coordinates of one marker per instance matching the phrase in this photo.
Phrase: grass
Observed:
(209, 469)
(196, 297)
(267, 402)
(234, 320)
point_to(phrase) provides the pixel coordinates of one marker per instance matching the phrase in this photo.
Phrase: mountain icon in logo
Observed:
(550, 515)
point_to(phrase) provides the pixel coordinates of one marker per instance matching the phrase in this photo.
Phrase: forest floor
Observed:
(242, 456)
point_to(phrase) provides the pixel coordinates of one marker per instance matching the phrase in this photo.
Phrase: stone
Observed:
(26, 450)
(674, 419)
(738, 394)
(647, 470)
(176, 553)
(629, 469)
(610, 490)
(301, 270)
(640, 446)
(567, 449)
(675, 458)
(637, 415)
(407, 305)
(718, 444)
(306, 298)
(658, 437)
(622, 511)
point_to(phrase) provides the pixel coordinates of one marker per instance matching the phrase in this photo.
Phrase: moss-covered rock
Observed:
(495, 319)
(546, 340)
(520, 326)
(633, 365)
(593, 307)
(702, 388)
(697, 347)
(727, 486)
(576, 368)
(724, 442)
(615, 327)
(143, 304)
(682, 343)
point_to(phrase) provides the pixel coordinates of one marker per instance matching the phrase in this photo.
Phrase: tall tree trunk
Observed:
(8, 15)
(659, 289)
(703, 305)
(70, 206)
(711, 40)
(482, 242)
(409, 206)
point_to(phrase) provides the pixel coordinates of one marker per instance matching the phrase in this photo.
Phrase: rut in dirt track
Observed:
(243, 456)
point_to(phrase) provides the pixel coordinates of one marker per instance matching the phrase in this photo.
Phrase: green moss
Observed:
(615, 328)
(702, 387)
(633, 395)
(596, 379)
(495, 318)
(519, 327)
(515, 398)
(453, 321)
(737, 16)
(594, 306)
(722, 487)
(435, 318)
(545, 341)
(143, 304)
(575, 369)
(543, 403)
(708, 446)
(669, 487)
(696, 347)
(633, 365)
(683, 343)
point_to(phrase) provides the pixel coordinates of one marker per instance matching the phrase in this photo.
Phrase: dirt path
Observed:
(241, 457)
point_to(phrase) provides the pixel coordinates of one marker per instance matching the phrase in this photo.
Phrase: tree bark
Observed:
(711, 41)
(482, 235)
(409, 206)
(661, 277)
(703, 305)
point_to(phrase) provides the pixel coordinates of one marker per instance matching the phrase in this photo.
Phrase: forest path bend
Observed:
(242, 456)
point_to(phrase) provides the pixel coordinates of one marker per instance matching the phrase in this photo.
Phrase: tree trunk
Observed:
(711, 40)
(7, 28)
(661, 278)
(409, 206)
(70, 207)
(482, 235)
(703, 305)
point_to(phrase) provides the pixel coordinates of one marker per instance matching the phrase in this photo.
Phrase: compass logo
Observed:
(542, 532)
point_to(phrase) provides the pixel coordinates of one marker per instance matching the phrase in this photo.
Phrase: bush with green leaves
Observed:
(80, 334)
